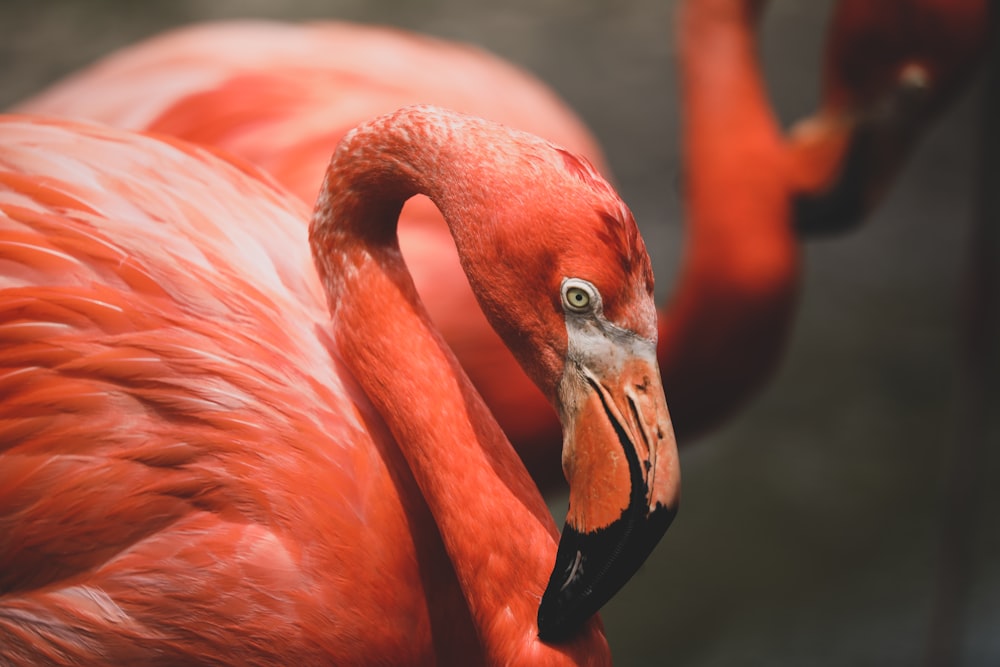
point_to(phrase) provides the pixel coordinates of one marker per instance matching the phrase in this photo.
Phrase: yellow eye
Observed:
(579, 296)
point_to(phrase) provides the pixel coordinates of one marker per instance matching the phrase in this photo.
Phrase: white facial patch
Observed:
(596, 347)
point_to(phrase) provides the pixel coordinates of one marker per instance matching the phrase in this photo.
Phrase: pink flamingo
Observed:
(200, 466)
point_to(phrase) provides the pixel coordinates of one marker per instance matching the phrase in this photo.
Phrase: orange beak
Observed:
(620, 459)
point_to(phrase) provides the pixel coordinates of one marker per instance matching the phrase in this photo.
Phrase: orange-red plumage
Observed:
(198, 467)
(724, 330)
(282, 96)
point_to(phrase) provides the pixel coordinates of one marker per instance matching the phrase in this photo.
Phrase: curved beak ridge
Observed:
(620, 458)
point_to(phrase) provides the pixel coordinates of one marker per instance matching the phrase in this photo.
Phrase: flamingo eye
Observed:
(579, 296)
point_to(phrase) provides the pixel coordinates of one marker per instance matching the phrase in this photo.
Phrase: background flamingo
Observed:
(862, 401)
(889, 70)
(236, 479)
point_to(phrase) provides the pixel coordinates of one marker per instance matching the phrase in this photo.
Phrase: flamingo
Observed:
(891, 68)
(725, 329)
(199, 466)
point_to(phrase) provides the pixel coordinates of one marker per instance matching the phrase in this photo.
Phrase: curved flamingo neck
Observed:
(494, 524)
(738, 281)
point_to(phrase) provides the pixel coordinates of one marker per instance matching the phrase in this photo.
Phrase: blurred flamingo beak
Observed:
(620, 459)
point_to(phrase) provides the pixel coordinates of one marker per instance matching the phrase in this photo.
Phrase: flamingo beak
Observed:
(868, 156)
(858, 150)
(620, 458)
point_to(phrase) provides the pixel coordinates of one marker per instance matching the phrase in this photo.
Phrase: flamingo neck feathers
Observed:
(494, 524)
(738, 281)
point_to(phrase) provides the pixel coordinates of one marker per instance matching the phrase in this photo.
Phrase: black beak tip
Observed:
(567, 602)
(553, 630)
(591, 567)
(842, 207)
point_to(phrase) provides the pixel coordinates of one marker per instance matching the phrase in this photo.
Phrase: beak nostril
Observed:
(639, 423)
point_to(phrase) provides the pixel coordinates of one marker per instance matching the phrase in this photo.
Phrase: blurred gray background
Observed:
(810, 531)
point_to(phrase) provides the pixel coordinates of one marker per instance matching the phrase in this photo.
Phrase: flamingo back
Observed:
(185, 475)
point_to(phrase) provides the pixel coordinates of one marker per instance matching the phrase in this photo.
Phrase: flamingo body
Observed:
(160, 399)
(282, 96)
(193, 468)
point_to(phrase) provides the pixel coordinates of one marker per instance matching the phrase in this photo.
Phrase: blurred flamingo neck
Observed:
(738, 281)
(731, 137)
(734, 179)
(474, 484)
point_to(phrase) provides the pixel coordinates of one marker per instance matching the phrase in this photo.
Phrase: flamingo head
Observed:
(563, 275)
(890, 68)
(557, 264)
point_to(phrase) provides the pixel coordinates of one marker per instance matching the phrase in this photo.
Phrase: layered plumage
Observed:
(282, 96)
(197, 466)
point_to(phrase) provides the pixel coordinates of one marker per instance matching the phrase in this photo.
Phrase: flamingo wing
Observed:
(176, 444)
